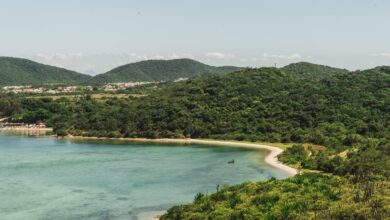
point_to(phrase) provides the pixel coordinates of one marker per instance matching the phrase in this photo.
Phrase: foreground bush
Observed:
(308, 196)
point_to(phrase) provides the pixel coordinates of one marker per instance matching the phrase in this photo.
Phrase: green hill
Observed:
(312, 71)
(159, 70)
(17, 71)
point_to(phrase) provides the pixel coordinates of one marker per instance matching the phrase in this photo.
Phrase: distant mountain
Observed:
(312, 71)
(17, 71)
(159, 70)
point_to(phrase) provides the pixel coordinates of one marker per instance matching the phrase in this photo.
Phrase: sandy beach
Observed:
(271, 158)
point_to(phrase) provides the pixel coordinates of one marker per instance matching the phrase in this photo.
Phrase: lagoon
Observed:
(48, 178)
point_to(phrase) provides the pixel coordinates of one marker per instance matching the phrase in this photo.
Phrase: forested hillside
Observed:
(255, 104)
(265, 104)
(159, 70)
(338, 120)
(16, 71)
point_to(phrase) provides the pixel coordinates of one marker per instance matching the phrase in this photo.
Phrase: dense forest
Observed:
(266, 104)
(344, 116)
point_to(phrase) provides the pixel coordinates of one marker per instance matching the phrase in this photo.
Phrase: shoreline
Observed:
(270, 159)
(25, 129)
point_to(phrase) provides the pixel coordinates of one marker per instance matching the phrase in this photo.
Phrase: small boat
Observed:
(231, 162)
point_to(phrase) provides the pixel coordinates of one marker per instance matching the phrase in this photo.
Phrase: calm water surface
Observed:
(45, 178)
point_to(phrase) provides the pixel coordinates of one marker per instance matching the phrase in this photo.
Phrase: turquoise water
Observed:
(46, 178)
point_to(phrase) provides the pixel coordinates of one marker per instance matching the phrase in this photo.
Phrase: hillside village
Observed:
(112, 87)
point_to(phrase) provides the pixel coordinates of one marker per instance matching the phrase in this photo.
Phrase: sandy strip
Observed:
(270, 159)
(25, 129)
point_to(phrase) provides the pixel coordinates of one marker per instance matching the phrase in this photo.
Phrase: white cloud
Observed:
(159, 57)
(166, 57)
(58, 65)
(137, 57)
(386, 55)
(174, 56)
(140, 57)
(59, 56)
(218, 55)
(267, 56)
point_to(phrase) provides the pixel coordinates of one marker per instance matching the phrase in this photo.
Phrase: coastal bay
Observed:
(91, 179)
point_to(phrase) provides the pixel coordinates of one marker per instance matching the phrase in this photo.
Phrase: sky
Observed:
(94, 36)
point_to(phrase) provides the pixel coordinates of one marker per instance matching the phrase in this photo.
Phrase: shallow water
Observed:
(46, 178)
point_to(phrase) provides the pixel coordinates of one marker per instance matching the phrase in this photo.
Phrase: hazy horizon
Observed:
(95, 36)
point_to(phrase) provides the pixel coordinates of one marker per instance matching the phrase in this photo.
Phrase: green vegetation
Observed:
(294, 154)
(313, 71)
(159, 70)
(267, 104)
(308, 196)
(9, 105)
(16, 71)
(344, 115)
(361, 192)
(254, 105)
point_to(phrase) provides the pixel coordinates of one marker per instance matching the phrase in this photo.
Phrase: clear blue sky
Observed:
(95, 35)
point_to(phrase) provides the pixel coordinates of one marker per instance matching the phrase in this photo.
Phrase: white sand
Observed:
(270, 159)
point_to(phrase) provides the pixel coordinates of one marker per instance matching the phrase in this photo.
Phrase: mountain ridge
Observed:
(160, 70)
(20, 71)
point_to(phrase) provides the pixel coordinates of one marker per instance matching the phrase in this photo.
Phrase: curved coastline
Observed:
(271, 158)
